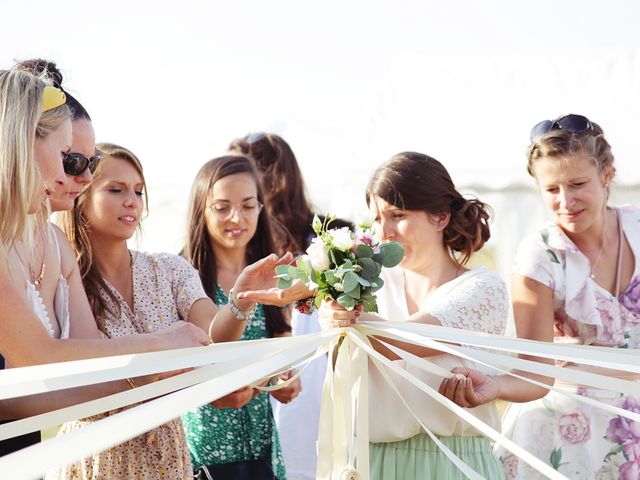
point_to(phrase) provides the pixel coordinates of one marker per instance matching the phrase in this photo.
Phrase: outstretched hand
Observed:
(259, 276)
(278, 296)
(470, 388)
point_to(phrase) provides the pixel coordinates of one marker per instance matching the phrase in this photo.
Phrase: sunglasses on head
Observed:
(570, 123)
(76, 163)
(255, 137)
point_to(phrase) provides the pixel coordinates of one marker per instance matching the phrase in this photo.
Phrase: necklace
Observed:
(592, 265)
(35, 280)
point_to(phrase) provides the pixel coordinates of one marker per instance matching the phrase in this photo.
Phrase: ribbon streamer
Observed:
(343, 434)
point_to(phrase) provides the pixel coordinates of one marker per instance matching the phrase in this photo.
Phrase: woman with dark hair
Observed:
(286, 201)
(574, 281)
(414, 202)
(132, 293)
(228, 228)
(283, 188)
(82, 160)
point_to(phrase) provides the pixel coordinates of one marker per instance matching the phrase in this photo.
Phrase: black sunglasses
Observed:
(76, 163)
(571, 123)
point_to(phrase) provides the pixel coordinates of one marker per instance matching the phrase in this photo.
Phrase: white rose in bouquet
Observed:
(318, 254)
(342, 239)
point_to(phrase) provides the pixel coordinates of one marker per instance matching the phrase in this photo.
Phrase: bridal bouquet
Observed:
(342, 265)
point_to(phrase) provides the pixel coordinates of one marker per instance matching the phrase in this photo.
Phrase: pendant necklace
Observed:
(35, 280)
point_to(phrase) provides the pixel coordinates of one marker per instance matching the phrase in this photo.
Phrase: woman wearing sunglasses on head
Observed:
(228, 229)
(575, 280)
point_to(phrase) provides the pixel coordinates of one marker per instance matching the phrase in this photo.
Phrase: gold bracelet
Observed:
(131, 383)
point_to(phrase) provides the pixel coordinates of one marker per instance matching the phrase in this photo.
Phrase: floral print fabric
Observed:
(164, 288)
(579, 440)
(232, 435)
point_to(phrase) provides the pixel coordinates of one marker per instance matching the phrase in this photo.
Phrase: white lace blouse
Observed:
(476, 300)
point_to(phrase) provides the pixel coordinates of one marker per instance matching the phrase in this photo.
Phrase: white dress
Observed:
(299, 444)
(476, 301)
(581, 441)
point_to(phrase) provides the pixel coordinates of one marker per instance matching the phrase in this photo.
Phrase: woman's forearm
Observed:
(513, 389)
(23, 407)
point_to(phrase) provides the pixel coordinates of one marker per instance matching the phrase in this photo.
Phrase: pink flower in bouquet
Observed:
(631, 297)
(574, 427)
(365, 239)
(621, 430)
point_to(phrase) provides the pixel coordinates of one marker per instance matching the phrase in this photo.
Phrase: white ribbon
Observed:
(34, 461)
(343, 433)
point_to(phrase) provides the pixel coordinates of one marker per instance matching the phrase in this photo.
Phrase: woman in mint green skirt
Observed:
(415, 203)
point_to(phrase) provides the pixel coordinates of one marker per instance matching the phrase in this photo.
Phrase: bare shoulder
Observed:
(68, 262)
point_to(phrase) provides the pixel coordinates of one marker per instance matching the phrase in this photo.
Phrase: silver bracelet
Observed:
(239, 314)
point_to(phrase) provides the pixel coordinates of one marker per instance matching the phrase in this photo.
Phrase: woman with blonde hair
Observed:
(35, 139)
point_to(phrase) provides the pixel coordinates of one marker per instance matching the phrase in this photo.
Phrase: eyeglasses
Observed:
(249, 210)
(75, 163)
(571, 123)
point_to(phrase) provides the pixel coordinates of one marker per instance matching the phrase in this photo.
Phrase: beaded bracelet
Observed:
(239, 314)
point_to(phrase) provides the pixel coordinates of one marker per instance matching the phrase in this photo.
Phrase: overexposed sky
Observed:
(347, 83)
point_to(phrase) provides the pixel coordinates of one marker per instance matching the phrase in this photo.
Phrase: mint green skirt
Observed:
(419, 458)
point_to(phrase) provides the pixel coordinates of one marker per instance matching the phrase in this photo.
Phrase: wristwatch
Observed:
(239, 314)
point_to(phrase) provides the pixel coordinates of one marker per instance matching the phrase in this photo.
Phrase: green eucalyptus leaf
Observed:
(284, 283)
(364, 251)
(282, 269)
(379, 283)
(350, 281)
(292, 271)
(369, 269)
(346, 266)
(330, 277)
(346, 301)
(364, 282)
(355, 293)
(393, 253)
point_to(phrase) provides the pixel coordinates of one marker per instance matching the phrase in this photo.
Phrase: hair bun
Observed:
(468, 229)
(40, 66)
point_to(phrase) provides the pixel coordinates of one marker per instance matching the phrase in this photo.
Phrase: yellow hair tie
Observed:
(52, 97)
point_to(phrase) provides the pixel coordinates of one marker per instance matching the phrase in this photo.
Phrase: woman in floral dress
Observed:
(577, 280)
(228, 229)
(131, 293)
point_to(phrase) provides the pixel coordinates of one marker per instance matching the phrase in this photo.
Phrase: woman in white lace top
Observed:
(415, 203)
